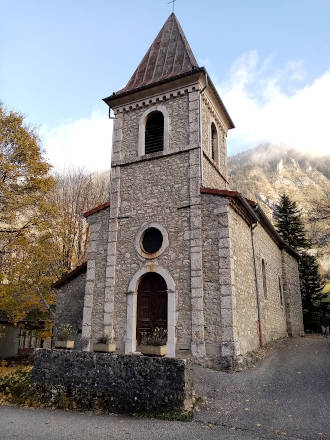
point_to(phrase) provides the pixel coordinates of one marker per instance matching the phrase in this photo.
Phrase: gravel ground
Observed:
(284, 396)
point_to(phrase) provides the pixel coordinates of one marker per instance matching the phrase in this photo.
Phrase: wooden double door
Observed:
(151, 304)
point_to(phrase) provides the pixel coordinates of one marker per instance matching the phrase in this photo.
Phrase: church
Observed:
(176, 247)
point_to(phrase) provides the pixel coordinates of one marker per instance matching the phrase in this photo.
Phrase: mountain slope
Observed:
(267, 171)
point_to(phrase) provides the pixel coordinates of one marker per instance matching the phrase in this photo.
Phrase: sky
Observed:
(270, 61)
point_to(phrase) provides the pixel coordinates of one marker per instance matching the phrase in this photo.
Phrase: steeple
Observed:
(168, 56)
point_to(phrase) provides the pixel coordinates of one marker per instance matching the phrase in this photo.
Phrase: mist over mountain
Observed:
(267, 171)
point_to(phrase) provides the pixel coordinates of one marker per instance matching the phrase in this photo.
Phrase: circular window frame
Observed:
(139, 239)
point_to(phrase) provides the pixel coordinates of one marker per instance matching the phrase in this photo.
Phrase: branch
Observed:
(45, 303)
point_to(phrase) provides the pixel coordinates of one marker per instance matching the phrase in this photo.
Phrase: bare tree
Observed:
(75, 193)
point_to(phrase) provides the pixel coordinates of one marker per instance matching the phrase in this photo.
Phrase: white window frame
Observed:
(142, 129)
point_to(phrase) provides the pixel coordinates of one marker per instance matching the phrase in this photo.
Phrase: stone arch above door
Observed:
(151, 304)
(131, 310)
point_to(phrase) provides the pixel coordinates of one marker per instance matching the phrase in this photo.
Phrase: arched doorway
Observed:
(151, 304)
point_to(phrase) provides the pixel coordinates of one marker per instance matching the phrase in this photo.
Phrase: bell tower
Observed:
(169, 140)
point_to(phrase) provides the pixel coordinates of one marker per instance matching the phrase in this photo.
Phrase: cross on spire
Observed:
(173, 2)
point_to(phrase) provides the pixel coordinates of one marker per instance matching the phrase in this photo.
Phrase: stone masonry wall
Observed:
(273, 315)
(158, 188)
(272, 312)
(178, 114)
(152, 192)
(211, 176)
(95, 279)
(230, 301)
(292, 295)
(246, 302)
(211, 281)
(70, 303)
(219, 282)
(122, 383)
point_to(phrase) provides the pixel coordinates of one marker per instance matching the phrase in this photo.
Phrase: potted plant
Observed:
(154, 343)
(65, 336)
(104, 345)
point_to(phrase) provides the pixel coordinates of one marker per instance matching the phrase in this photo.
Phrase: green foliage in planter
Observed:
(66, 332)
(157, 337)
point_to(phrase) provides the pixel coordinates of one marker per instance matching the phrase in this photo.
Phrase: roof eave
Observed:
(116, 96)
(210, 82)
(264, 220)
(67, 277)
(108, 100)
(256, 214)
(96, 209)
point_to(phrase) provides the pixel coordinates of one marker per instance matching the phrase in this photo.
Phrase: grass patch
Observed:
(6, 371)
(15, 384)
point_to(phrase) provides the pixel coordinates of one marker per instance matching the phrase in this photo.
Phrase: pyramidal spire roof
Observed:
(168, 56)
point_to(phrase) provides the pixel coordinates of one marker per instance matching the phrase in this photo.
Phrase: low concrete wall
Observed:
(124, 383)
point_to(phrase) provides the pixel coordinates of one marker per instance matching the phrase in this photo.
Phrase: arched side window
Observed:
(154, 132)
(280, 289)
(264, 278)
(214, 143)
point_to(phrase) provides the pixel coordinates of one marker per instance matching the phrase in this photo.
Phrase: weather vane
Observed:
(173, 2)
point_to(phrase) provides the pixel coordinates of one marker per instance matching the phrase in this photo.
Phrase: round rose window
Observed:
(152, 240)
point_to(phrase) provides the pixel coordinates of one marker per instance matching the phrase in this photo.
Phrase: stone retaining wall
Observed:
(124, 383)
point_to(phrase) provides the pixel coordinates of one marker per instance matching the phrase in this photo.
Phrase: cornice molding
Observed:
(156, 99)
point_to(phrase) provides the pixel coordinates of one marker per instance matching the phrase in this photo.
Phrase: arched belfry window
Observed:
(214, 143)
(154, 132)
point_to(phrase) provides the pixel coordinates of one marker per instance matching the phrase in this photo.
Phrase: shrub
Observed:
(157, 337)
(65, 332)
(16, 385)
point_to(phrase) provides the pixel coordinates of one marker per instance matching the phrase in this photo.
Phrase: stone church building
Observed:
(176, 247)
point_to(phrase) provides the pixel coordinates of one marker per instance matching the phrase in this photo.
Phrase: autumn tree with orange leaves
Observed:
(27, 247)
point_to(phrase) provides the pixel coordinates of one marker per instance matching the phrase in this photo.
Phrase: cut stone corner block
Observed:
(198, 349)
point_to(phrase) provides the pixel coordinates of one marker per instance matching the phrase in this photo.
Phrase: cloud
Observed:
(272, 106)
(85, 143)
(267, 106)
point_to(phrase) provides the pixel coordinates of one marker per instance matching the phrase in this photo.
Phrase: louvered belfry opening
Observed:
(154, 136)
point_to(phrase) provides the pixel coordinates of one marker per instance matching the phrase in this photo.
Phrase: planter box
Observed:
(155, 350)
(64, 344)
(104, 348)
